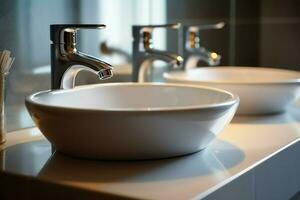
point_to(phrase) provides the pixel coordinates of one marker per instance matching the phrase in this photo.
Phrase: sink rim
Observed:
(229, 102)
(173, 76)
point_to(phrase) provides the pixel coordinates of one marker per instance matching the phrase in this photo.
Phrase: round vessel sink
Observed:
(261, 90)
(131, 121)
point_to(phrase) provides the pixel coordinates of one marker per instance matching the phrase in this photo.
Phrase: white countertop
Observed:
(244, 144)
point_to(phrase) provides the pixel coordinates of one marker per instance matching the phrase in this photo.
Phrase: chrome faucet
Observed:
(192, 51)
(108, 50)
(144, 54)
(67, 61)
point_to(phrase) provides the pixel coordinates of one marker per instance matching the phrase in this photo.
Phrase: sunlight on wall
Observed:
(119, 17)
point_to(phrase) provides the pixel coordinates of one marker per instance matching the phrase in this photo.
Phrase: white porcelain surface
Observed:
(131, 121)
(261, 90)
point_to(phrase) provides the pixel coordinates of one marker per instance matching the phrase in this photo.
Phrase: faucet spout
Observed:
(82, 62)
(202, 54)
(107, 50)
(152, 55)
(103, 69)
(168, 57)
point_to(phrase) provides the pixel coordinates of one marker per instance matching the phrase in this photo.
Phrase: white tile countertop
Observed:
(245, 144)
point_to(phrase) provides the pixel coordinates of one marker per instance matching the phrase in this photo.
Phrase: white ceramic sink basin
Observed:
(131, 120)
(261, 90)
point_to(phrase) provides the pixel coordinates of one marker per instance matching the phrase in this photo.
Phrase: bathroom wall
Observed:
(280, 33)
(24, 30)
(197, 12)
(257, 33)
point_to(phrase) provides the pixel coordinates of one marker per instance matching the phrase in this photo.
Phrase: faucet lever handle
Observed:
(149, 28)
(58, 31)
(197, 28)
(171, 25)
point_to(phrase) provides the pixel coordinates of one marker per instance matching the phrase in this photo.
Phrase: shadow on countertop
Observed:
(35, 159)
